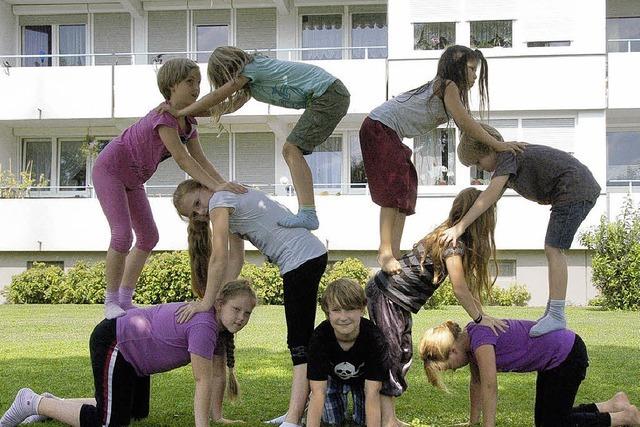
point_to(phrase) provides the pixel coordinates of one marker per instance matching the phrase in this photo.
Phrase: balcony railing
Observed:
(158, 57)
(623, 45)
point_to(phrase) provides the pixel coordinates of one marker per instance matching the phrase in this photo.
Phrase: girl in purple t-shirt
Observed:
(559, 358)
(129, 160)
(127, 350)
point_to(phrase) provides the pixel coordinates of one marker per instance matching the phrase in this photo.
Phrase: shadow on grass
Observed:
(265, 376)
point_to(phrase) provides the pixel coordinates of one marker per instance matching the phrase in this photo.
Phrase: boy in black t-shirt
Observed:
(346, 352)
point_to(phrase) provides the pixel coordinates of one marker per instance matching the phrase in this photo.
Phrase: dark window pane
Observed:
(557, 43)
(623, 156)
(210, 37)
(433, 35)
(73, 166)
(37, 160)
(369, 29)
(358, 177)
(36, 40)
(487, 34)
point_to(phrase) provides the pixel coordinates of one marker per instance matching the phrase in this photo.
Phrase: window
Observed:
(369, 29)
(487, 34)
(435, 157)
(326, 164)
(51, 40)
(508, 128)
(433, 35)
(209, 37)
(506, 269)
(358, 178)
(623, 34)
(558, 43)
(59, 164)
(321, 31)
(623, 157)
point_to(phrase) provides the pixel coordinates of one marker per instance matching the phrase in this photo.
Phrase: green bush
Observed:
(351, 268)
(515, 295)
(165, 278)
(616, 259)
(442, 296)
(266, 282)
(35, 285)
(83, 284)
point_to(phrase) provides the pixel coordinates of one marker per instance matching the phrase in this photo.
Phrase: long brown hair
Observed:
(452, 67)
(434, 348)
(478, 240)
(225, 65)
(229, 291)
(199, 238)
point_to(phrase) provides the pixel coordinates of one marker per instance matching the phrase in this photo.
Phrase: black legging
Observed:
(556, 391)
(300, 302)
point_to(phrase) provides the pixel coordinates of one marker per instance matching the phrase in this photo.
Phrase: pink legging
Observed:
(125, 204)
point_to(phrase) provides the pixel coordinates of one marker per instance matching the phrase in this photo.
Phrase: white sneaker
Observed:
(39, 418)
(277, 420)
(23, 406)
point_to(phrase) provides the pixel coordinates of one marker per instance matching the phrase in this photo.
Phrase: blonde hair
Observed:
(225, 65)
(344, 293)
(229, 291)
(478, 240)
(471, 150)
(434, 348)
(173, 72)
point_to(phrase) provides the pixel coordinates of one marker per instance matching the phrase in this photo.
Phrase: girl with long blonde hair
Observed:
(559, 358)
(237, 76)
(219, 222)
(391, 298)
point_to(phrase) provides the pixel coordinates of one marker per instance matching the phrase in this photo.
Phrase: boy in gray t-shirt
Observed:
(544, 175)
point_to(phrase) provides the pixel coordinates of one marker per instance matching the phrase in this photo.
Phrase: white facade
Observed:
(554, 82)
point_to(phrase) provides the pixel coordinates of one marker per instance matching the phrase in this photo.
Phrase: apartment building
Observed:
(73, 75)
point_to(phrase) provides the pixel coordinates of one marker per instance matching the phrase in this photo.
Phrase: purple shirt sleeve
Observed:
(481, 335)
(201, 339)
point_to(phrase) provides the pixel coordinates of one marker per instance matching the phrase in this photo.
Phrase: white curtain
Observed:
(434, 158)
(369, 29)
(326, 164)
(321, 31)
(72, 40)
(36, 41)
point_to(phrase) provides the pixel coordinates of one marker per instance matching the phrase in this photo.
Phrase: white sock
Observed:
(24, 405)
(553, 321)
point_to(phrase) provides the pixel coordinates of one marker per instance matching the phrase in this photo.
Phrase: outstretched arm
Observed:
(316, 402)
(475, 395)
(483, 202)
(467, 124)
(202, 373)
(372, 403)
(236, 258)
(455, 268)
(219, 217)
(202, 107)
(486, 358)
(195, 150)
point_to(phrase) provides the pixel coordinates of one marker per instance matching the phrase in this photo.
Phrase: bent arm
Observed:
(203, 106)
(202, 374)
(183, 158)
(316, 402)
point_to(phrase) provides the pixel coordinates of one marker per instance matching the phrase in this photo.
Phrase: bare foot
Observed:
(226, 421)
(631, 416)
(401, 423)
(620, 401)
(389, 264)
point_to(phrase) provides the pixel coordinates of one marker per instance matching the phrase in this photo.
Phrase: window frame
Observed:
(55, 43)
(194, 37)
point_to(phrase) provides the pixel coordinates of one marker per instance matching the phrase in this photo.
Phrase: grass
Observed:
(45, 348)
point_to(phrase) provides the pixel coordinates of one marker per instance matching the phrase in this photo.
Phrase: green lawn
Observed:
(45, 348)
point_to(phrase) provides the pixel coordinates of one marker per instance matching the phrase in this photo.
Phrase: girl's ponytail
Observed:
(434, 347)
(233, 388)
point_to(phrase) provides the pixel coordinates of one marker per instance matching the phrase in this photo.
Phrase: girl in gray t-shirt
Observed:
(218, 257)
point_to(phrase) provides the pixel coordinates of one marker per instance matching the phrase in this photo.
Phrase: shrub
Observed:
(351, 268)
(83, 284)
(266, 282)
(165, 278)
(35, 285)
(515, 295)
(616, 258)
(442, 296)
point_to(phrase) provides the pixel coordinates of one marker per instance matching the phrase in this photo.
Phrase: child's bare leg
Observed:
(132, 269)
(66, 411)
(630, 416)
(619, 402)
(114, 269)
(388, 412)
(388, 228)
(398, 228)
(555, 318)
(299, 394)
(303, 183)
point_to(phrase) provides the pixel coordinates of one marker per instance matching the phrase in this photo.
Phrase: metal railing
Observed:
(629, 45)
(157, 57)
